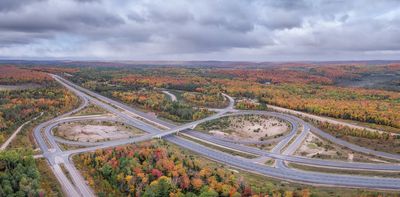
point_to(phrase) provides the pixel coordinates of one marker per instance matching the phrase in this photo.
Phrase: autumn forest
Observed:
(159, 168)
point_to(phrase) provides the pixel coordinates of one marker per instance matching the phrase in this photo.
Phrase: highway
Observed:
(296, 159)
(50, 149)
(157, 128)
(313, 178)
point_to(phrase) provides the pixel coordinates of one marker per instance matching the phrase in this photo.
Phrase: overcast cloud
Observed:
(255, 30)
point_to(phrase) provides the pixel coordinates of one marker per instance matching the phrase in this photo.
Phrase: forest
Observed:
(159, 169)
(247, 104)
(36, 92)
(310, 88)
(10, 75)
(209, 99)
(364, 105)
(19, 175)
(20, 105)
(157, 102)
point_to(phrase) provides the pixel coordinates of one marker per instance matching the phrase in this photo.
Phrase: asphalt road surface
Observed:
(157, 128)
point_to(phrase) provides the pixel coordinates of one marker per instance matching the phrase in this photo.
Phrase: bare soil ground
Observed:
(95, 131)
(250, 127)
(315, 147)
(248, 100)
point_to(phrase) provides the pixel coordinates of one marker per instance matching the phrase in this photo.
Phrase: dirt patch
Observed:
(95, 131)
(247, 127)
(315, 147)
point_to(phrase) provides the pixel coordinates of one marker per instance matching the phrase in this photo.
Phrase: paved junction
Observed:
(282, 153)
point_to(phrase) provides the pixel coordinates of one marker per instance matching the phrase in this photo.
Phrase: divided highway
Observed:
(157, 128)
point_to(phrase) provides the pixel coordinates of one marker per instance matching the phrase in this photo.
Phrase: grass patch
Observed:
(345, 171)
(225, 150)
(270, 162)
(66, 147)
(67, 174)
(372, 125)
(48, 181)
(312, 145)
(91, 109)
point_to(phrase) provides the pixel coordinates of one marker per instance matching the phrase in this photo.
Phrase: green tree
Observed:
(208, 192)
(106, 170)
(159, 188)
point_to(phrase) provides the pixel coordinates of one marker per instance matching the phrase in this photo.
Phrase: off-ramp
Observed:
(157, 128)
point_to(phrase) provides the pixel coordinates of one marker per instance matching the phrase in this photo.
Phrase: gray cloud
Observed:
(12, 5)
(31, 23)
(177, 29)
(93, 19)
(88, 1)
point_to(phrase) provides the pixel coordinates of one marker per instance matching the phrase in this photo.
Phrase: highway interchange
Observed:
(282, 153)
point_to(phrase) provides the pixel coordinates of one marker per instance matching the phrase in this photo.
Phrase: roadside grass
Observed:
(161, 117)
(267, 147)
(345, 171)
(269, 162)
(48, 181)
(154, 124)
(389, 146)
(65, 147)
(91, 109)
(261, 183)
(222, 149)
(372, 125)
(298, 132)
(67, 174)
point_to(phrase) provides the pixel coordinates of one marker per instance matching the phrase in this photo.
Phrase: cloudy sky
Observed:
(252, 30)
